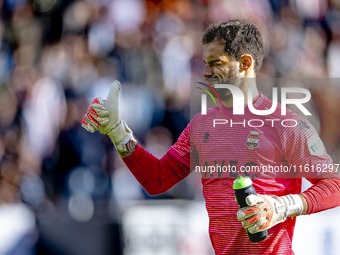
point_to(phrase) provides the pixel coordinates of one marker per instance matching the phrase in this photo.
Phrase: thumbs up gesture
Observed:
(103, 116)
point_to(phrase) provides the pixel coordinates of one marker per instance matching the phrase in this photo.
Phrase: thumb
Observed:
(112, 105)
(112, 99)
(252, 200)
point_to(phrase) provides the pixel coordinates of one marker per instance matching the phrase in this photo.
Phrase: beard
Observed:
(230, 78)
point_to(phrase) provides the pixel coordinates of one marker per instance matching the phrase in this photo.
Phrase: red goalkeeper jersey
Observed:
(273, 150)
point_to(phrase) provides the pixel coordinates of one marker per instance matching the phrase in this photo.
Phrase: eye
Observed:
(215, 63)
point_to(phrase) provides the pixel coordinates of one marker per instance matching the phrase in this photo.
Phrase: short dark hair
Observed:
(240, 37)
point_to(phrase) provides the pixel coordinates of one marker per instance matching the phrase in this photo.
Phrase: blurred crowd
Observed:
(57, 55)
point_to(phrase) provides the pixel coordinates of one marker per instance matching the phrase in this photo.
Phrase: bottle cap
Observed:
(242, 182)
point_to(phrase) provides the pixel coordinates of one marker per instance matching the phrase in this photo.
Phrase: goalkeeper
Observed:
(233, 53)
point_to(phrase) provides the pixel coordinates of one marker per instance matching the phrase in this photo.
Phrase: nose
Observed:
(208, 71)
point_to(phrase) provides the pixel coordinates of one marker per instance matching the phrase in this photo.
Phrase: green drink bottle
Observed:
(243, 187)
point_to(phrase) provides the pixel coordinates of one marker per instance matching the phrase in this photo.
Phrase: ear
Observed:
(246, 62)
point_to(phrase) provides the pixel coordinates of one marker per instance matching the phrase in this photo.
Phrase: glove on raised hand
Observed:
(103, 116)
(263, 212)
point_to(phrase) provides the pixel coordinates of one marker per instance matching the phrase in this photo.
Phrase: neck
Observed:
(247, 83)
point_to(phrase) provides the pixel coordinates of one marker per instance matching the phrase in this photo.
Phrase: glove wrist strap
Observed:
(120, 135)
(293, 204)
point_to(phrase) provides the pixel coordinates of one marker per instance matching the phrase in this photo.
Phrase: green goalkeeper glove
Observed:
(263, 212)
(103, 116)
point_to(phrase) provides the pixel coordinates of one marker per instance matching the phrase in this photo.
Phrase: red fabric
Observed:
(155, 175)
(323, 195)
(200, 138)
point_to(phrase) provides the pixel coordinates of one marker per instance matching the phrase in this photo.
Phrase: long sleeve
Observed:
(323, 195)
(303, 148)
(155, 175)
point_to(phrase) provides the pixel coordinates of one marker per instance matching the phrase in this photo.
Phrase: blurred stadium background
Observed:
(65, 191)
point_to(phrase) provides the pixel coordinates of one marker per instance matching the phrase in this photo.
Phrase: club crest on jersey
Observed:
(253, 139)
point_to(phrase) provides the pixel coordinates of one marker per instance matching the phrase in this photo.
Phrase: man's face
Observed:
(220, 68)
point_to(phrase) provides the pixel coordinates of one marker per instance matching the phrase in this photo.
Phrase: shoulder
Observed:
(294, 121)
(295, 130)
(287, 117)
(200, 119)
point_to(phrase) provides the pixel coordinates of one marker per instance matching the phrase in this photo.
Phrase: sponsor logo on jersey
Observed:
(206, 138)
(253, 139)
(315, 145)
(303, 125)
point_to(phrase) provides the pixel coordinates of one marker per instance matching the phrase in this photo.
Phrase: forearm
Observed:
(319, 196)
(305, 205)
(155, 175)
(323, 195)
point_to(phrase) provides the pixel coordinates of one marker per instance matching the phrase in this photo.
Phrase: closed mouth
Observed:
(212, 80)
